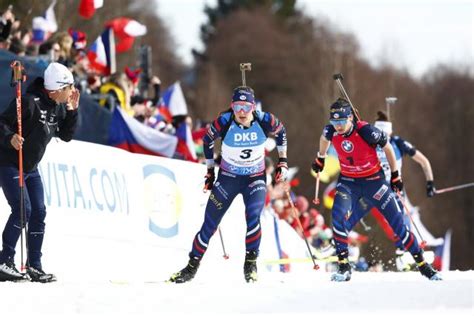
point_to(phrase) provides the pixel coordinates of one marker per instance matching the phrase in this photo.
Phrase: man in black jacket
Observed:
(49, 108)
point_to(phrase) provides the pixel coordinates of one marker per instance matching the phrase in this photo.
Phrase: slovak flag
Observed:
(45, 25)
(125, 31)
(101, 54)
(87, 7)
(127, 133)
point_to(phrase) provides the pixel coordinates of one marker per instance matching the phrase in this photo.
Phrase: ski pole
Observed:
(226, 255)
(18, 76)
(316, 190)
(407, 211)
(295, 213)
(454, 188)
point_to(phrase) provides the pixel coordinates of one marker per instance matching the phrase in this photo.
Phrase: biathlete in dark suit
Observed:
(362, 180)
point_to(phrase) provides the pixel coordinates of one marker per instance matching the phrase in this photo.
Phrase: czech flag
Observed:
(101, 54)
(185, 145)
(127, 133)
(125, 30)
(173, 100)
(45, 25)
(87, 7)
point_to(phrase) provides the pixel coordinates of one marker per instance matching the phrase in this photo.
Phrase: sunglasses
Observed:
(66, 84)
(341, 122)
(246, 107)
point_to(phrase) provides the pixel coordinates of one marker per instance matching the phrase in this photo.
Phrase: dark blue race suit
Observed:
(355, 149)
(400, 147)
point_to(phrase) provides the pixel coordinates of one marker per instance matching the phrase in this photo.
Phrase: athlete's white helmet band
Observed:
(384, 126)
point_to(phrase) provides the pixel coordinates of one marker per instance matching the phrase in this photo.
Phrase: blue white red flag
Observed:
(173, 100)
(129, 134)
(101, 54)
(45, 25)
(185, 145)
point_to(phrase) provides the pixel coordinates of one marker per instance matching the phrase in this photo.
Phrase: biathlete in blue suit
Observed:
(362, 180)
(243, 132)
(401, 148)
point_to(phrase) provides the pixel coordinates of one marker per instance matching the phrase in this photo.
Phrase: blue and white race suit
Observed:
(242, 171)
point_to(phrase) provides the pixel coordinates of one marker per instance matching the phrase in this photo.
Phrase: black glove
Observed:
(281, 172)
(430, 188)
(210, 179)
(396, 182)
(318, 164)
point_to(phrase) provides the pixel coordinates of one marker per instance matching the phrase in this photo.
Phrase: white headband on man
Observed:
(384, 126)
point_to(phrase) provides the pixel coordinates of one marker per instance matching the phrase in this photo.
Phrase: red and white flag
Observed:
(87, 7)
(125, 30)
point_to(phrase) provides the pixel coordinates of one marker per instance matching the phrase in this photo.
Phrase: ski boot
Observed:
(425, 268)
(38, 275)
(344, 271)
(250, 266)
(8, 272)
(428, 271)
(187, 273)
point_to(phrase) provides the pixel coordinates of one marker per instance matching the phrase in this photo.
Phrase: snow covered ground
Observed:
(223, 292)
(110, 262)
